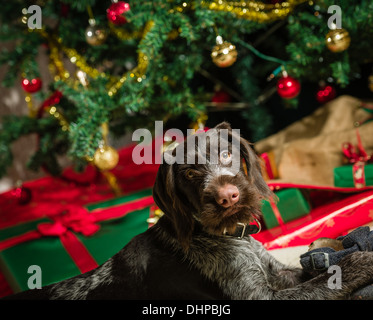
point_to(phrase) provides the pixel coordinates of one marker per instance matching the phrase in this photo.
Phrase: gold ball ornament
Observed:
(95, 36)
(106, 158)
(370, 82)
(224, 54)
(337, 40)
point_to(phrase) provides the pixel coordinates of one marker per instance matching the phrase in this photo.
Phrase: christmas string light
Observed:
(281, 68)
(287, 87)
(275, 73)
(259, 54)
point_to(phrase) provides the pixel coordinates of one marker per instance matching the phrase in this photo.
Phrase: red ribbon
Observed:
(79, 220)
(52, 100)
(358, 157)
(270, 165)
(276, 212)
(356, 154)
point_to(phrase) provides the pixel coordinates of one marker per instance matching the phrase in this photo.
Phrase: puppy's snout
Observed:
(227, 195)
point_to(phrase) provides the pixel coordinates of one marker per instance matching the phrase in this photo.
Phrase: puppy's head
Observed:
(213, 179)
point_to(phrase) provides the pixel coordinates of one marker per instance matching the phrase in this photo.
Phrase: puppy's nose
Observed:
(227, 196)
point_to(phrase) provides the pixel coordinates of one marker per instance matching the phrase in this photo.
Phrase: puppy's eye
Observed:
(189, 174)
(225, 157)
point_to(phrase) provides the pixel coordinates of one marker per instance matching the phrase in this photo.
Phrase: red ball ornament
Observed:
(31, 86)
(116, 11)
(22, 194)
(288, 87)
(325, 94)
(221, 96)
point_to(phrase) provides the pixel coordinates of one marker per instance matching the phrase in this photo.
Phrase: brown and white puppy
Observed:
(194, 251)
(215, 195)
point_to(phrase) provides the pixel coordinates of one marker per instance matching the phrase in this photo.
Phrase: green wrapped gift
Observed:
(51, 256)
(344, 176)
(291, 205)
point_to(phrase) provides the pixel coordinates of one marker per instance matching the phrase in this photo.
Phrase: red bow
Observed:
(78, 220)
(355, 154)
(358, 157)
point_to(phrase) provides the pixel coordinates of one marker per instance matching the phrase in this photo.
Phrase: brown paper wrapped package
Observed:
(307, 151)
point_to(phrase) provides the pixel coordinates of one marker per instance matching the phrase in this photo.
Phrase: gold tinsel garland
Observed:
(31, 109)
(54, 112)
(251, 10)
(106, 157)
(81, 63)
(57, 66)
(254, 10)
(123, 34)
(139, 71)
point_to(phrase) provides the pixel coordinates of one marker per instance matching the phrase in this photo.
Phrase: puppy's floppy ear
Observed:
(160, 193)
(224, 125)
(166, 196)
(253, 165)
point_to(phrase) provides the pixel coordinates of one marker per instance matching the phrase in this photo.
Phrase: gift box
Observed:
(73, 222)
(330, 220)
(291, 205)
(68, 244)
(358, 175)
(269, 167)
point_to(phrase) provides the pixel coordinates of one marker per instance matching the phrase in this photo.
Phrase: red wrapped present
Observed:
(79, 240)
(359, 173)
(63, 213)
(291, 204)
(269, 167)
(329, 220)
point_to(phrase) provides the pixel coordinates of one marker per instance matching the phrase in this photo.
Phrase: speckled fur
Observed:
(78, 288)
(185, 255)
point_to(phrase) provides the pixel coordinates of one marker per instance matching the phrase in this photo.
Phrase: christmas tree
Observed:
(117, 66)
